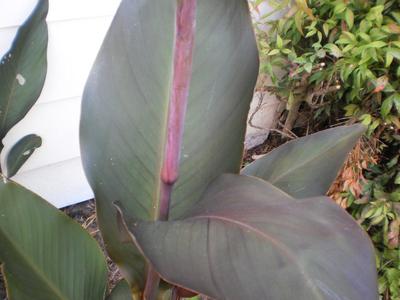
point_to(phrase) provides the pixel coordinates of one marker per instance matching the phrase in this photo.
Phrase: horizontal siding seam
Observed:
(58, 100)
(49, 165)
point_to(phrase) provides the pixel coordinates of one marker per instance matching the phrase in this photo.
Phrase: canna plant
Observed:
(163, 119)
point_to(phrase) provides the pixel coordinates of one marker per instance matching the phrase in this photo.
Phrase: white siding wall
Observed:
(76, 30)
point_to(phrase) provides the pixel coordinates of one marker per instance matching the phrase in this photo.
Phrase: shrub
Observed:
(374, 201)
(339, 62)
(337, 55)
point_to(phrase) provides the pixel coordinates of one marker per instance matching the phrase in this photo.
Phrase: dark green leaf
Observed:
(246, 239)
(308, 67)
(306, 167)
(393, 162)
(125, 105)
(23, 69)
(396, 101)
(386, 106)
(45, 254)
(20, 153)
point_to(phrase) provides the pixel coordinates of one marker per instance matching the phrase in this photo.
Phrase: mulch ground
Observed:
(2, 289)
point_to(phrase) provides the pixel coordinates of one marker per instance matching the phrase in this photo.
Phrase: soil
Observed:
(3, 295)
(274, 140)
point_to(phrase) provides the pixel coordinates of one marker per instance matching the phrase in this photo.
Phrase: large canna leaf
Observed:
(23, 69)
(127, 131)
(45, 254)
(306, 167)
(248, 240)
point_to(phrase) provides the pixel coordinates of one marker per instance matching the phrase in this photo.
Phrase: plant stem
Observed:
(152, 282)
(165, 199)
(175, 295)
(292, 115)
(185, 23)
(182, 73)
(1, 150)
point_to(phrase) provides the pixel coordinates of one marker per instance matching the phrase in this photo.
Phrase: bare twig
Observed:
(258, 107)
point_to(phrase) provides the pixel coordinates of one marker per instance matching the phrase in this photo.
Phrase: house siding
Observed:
(76, 30)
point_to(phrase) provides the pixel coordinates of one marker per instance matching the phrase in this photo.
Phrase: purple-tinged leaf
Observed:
(306, 167)
(133, 111)
(246, 239)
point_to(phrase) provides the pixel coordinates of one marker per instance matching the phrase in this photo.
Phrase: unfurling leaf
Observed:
(20, 153)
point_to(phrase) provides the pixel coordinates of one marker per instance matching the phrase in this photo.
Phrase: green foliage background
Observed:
(340, 60)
